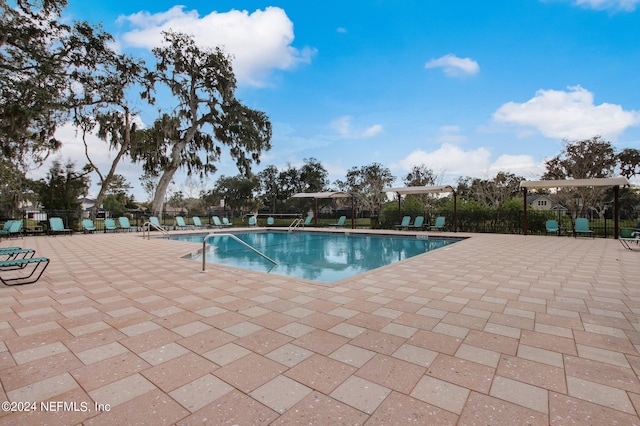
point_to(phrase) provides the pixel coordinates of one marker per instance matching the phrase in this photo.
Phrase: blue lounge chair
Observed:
(123, 224)
(225, 222)
(270, 221)
(196, 222)
(629, 236)
(88, 226)
(110, 225)
(418, 223)
(307, 220)
(438, 225)
(551, 226)
(36, 264)
(156, 223)
(341, 221)
(253, 221)
(7, 226)
(404, 224)
(581, 227)
(218, 224)
(10, 253)
(12, 228)
(57, 226)
(180, 223)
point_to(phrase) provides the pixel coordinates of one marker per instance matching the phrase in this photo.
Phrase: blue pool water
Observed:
(318, 256)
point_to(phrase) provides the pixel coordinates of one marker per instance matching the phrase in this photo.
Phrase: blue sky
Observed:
(467, 88)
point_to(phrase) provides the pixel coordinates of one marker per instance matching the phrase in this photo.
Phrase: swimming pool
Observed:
(317, 256)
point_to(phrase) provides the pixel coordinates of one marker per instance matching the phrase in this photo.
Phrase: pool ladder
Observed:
(146, 229)
(204, 251)
(294, 225)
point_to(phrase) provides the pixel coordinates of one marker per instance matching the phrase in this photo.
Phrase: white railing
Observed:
(146, 227)
(296, 222)
(204, 245)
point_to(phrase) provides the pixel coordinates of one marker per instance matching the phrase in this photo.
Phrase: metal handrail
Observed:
(204, 244)
(148, 225)
(295, 224)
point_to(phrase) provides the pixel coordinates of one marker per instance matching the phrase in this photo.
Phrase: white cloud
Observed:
(614, 5)
(259, 42)
(568, 115)
(449, 162)
(343, 126)
(450, 134)
(454, 66)
(341, 30)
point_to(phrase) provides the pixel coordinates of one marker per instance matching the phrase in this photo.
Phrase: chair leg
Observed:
(39, 267)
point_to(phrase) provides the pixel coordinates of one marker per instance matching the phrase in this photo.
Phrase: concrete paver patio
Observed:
(496, 329)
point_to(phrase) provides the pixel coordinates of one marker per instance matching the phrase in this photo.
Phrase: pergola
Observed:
(616, 182)
(407, 190)
(317, 195)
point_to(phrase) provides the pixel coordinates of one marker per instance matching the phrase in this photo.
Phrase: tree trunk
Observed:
(161, 190)
(167, 176)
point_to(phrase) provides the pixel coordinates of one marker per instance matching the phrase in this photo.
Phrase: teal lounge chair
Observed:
(110, 225)
(307, 220)
(225, 222)
(10, 253)
(551, 226)
(404, 224)
(88, 226)
(253, 221)
(582, 227)
(36, 264)
(418, 223)
(216, 222)
(439, 225)
(156, 223)
(57, 226)
(7, 226)
(629, 236)
(341, 221)
(13, 229)
(123, 224)
(180, 223)
(270, 221)
(196, 222)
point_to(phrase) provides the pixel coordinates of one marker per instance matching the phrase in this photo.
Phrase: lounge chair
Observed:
(88, 226)
(124, 224)
(36, 264)
(341, 221)
(418, 223)
(629, 236)
(216, 222)
(156, 223)
(12, 228)
(10, 253)
(439, 225)
(110, 225)
(253, 221)
(225, 222)
(307, 220)
(551, 226)
(581, 227)
(56, 226)
(196, 222)
(7, 226)
(180, 223)
(404, 224)
(270, 221)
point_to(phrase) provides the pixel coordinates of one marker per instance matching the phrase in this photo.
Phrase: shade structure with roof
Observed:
(415, 190)
(325, 195)
(615, 182)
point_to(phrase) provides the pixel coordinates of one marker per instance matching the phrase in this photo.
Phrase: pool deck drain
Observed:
(492, 330)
